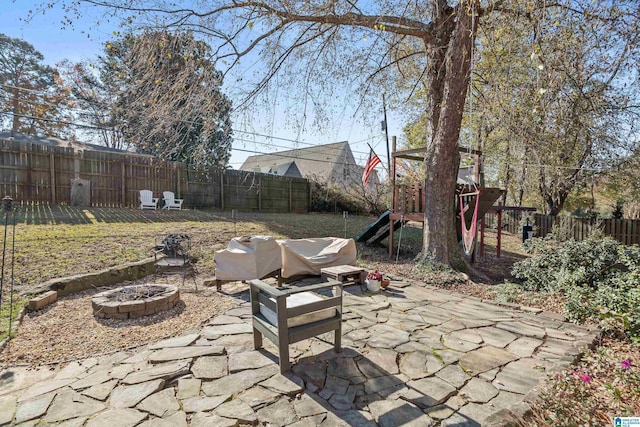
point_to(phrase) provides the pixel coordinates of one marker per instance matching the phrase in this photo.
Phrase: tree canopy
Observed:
(165, 97)
(32, 98)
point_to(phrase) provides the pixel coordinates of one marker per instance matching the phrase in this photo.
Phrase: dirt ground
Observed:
(67, 329)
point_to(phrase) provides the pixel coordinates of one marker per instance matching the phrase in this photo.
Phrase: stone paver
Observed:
(101, 391)
(210, 367)
(485, 358)
(117, 417)
(27, 409)
(127, 396)
(161, 404)
(177, 353)
(426, 358)
(204, 403)
(70, 404)
(247, 360)
(165, 371)
(8, 408)
(188, 387)
(284, 384)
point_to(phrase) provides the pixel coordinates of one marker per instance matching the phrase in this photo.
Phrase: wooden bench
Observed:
(344, 273)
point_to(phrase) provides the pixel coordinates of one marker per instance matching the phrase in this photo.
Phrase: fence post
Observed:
(53, 178)
(290, 195)
(123, 185)
(178, 169)
(76, 165)
(260, 194)
(222, 189)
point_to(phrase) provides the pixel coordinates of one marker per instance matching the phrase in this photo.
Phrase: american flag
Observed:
(373, 161)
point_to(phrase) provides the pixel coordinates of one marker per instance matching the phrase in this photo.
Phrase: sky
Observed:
(84, 40)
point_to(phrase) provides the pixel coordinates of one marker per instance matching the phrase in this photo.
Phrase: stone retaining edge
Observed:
(110, 276)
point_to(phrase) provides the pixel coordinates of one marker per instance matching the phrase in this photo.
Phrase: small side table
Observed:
(344, 274)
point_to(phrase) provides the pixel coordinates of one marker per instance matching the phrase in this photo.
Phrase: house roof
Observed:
(318, 161)
(285, 169)
(57, 142)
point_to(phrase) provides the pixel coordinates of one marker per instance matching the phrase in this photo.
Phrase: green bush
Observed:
(599, 276)
(555, 267)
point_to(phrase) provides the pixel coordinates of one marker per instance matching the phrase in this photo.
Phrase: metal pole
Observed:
(386, 133)
(13, 255)
(233, 218)
(344, 215)
(7, 206)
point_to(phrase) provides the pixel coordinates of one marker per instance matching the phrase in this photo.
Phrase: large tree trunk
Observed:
(442, 157)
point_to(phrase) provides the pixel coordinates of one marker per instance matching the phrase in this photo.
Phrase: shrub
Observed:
(599, 277)
(606, 386)
(560, 266)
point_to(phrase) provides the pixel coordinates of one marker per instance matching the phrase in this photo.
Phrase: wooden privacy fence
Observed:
(35, 173)
(625, 231)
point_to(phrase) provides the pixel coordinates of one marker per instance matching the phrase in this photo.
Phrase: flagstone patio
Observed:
(412, 356)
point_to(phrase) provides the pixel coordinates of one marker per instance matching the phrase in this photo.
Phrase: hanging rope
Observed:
(469, 235)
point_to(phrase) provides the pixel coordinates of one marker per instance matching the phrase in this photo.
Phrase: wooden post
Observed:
(482, 227)
(52, 157)
(222, 189)
(123, 183)
(290, 195)
(178, 169)
(76, 165)
(499, 234)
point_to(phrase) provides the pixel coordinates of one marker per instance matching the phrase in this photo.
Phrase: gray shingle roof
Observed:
(320, 162)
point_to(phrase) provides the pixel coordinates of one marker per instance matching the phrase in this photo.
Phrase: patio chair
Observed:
(286, 316)
(170, 201)
(147, 201)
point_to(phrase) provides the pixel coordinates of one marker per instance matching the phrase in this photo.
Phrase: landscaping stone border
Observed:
(107, 277)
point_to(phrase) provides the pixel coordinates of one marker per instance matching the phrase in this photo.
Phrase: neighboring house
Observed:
(57, 142)
(331, 164)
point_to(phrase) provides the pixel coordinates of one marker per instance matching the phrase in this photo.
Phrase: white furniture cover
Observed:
(296, 300)
(308, 256)
(248, 258)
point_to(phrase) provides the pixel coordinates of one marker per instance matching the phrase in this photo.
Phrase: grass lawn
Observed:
(58, 241)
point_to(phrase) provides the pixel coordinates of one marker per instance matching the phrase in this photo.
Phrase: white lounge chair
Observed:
(147, 201)
(170, 201)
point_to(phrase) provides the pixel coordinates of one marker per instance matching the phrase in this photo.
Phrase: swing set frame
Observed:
(408, 201)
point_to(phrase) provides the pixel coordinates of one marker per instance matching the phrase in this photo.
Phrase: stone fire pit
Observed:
(129, 302)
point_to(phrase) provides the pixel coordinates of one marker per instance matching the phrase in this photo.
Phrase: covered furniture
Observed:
(247, 258)
(286, 316)
(309, 256)
(170, 201)
(147, 201)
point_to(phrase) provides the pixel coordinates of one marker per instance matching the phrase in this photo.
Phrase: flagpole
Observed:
(386, 133)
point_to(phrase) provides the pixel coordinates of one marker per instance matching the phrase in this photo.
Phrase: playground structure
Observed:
(473, 202)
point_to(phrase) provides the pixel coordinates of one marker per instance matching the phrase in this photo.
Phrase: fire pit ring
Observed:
(130, 302)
